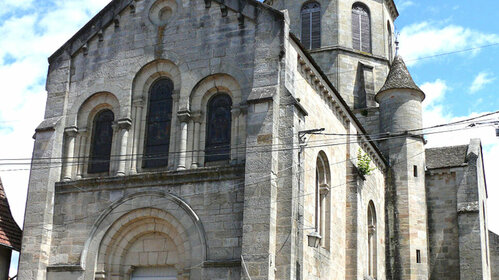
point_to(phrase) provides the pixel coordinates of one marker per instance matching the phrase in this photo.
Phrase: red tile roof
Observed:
(10, 233)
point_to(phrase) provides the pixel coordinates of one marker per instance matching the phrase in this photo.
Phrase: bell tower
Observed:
(352, 41)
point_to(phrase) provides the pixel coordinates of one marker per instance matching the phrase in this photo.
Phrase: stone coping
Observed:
(152, 179)
(222, 263)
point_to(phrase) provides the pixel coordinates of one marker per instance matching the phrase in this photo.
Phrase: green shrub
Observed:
(364, 163)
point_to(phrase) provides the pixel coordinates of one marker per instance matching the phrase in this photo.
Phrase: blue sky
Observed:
(457, 86)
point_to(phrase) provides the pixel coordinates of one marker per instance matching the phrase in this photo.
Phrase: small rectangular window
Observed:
(415, 171)
(418, 256)
(298, 271)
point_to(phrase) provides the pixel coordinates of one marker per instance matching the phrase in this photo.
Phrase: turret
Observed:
(401, 119)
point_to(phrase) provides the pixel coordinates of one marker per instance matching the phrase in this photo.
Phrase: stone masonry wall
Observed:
(218, 204)
(343, 252)
(442, 223)
(200, 42)
(494, 255)
(336, 56)
(472, 216)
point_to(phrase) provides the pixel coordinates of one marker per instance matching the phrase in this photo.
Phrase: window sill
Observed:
(153, 178)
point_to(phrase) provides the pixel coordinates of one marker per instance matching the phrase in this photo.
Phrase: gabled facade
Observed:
(205, 140)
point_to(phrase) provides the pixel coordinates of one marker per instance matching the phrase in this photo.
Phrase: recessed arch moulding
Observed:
(145, 229)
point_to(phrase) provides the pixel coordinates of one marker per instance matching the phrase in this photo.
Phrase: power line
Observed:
(373, 137)
(454, 52)
(321, 144)
(232, 188)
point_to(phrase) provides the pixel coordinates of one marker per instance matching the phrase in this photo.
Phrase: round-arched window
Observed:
(159, 118)
(102, 139)
(361, 28)
(218, 128)
(311, 25)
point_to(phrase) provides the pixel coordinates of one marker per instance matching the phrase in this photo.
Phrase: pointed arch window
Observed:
(322, 208)
(218, 128)
(361, 28)
(102, 139)
(311, 25)
(371, 239)
(159, 117)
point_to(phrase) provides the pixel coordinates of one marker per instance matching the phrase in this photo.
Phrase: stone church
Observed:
(234, 139)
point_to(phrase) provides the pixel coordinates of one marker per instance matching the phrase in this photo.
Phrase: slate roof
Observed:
(10, 233)
(445, 157)
(399, 77)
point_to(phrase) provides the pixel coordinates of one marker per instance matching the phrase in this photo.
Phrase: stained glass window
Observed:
(102, 139)
(218, 126)
(158, 127)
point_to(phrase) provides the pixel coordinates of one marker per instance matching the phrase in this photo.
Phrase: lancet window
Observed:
(371, 239)
(322, 209)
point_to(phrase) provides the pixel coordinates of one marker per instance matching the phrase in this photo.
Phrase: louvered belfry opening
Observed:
(311, 25)
(361, 28)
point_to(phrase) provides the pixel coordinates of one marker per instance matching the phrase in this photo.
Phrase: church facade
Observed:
(224, 139)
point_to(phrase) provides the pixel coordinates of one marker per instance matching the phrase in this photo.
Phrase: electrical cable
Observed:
(233, 187)
(389, 136)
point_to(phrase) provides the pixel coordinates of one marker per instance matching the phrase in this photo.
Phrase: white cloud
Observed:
(428, 39)
(404, 4)
(29, 35)
(435, 92)
(481, 80)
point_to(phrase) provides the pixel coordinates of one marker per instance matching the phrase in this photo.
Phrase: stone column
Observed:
(137, 131)
(184, 118)
(82, 134)
(70, 133)
(124, 126)
(234, 145)
(175, 135)
(197, 119)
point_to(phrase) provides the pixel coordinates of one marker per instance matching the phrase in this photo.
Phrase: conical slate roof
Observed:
(399, 77)
(10, 233)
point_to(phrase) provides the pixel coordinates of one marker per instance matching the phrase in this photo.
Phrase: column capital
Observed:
(71, 131)
(236, 111)
(176, 95)
(184, 116)
(125, 123)
(244, 108)
(82, 131)
(138, 102)
(197, 116)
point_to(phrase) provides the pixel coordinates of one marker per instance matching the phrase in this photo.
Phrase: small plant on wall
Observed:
(364, 163)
